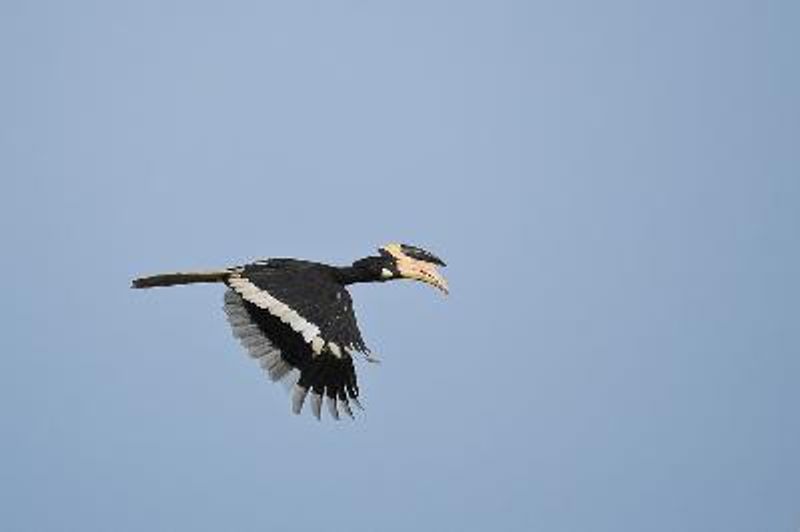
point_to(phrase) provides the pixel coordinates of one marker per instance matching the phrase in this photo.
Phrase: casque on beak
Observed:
(417, 269)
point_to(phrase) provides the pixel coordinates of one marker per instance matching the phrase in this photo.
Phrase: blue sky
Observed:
(613, 185)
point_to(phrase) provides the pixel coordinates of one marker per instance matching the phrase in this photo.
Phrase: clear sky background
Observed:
(615, 186)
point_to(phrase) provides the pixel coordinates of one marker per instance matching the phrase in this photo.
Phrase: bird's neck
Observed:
(365, 270)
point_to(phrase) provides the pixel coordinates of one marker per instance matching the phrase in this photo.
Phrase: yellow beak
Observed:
(422, 271)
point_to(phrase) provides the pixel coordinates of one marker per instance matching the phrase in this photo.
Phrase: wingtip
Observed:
(316, 405)
(334, 412)
(346, 407)
(298, 398)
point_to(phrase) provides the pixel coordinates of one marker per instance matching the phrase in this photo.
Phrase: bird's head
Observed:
(409, 262)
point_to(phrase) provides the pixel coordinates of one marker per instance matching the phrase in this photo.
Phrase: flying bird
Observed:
(296, 317)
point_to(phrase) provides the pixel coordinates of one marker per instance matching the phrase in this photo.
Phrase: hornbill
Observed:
(296, 317)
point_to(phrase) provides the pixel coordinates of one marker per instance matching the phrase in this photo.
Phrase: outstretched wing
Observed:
(293, 314)
(305, 296)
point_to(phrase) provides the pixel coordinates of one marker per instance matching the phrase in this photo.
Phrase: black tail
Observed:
(172, 279)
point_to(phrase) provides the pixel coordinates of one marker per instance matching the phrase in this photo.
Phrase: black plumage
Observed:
(316, 292)
(296, 317)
